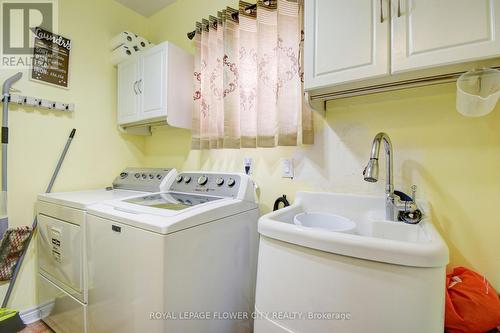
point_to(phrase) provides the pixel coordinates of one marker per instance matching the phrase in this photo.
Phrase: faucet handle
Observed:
(414, 192)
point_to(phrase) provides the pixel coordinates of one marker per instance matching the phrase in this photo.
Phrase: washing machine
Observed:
(180, 261)
(62, 217)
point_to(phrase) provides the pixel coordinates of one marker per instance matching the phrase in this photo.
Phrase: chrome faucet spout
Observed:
(393, 202)
(371, 170)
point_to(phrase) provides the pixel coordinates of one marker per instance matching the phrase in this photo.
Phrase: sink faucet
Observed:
(393, 204)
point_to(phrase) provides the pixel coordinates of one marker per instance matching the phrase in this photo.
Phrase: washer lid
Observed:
(171, 200)
(166, 221)
(82, 199)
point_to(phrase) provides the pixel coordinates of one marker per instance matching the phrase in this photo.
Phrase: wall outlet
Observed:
(287, 168)
(248, 165)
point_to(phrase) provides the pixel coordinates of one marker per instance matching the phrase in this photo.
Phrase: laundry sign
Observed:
(50, 58)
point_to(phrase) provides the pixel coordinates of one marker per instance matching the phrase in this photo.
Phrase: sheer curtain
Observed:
(231, 95)
(247, 79)
(247, 53)
(195, 131)
(206, 96)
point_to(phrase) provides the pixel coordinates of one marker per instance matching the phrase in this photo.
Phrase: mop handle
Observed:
(61, 159)
(35, 221)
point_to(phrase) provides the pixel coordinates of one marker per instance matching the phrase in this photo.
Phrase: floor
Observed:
(37, 327)
(40, 327)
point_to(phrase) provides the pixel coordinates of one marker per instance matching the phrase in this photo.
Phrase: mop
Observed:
(15, 241)
(11, 248)
(5, 140)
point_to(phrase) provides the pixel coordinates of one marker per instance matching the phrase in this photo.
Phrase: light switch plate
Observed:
(287, 168)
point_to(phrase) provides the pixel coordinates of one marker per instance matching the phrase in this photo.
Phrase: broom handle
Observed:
(35, 221)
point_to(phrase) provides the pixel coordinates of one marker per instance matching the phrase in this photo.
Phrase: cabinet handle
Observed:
(135, 87)
(139, 86)
(399, 8)
(381, 12)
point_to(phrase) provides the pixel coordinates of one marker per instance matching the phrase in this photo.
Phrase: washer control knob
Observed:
(137, 175)
(202, 180)
(144, 176)
(179, 179)
(231, 182)
(187, 180)
(219, 181)
(123, 175)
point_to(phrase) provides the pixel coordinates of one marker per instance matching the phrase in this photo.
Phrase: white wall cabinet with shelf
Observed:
(155, 87)
(354, 45)
(345, 41)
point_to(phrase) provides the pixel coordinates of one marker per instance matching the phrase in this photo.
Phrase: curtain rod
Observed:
(235, 16)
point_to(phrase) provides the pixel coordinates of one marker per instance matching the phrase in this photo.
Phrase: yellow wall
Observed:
(37, 137)
(453, 159)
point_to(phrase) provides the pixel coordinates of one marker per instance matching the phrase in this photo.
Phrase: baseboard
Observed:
(30, 315)
(36, 313)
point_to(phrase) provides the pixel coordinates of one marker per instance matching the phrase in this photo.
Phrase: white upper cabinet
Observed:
(156, 87)
(429, 33)
(353, 47)
(152, 83)
(128, 107)
(345, 41)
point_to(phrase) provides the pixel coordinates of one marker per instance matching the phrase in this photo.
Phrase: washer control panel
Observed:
(144, 179)
(222, 185)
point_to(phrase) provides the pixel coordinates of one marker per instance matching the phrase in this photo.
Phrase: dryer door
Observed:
(60, 254)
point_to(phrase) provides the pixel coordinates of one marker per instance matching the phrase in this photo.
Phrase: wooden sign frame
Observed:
(51, 59)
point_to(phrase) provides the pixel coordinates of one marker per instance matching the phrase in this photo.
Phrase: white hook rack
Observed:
(41, 103)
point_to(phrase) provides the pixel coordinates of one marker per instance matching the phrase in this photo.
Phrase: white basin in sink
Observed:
(324, 221)
(385, 277)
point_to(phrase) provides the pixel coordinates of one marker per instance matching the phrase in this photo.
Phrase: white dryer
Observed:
(180, 261)
(62, 282)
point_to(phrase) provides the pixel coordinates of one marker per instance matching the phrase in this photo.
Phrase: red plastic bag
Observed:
(472, 304)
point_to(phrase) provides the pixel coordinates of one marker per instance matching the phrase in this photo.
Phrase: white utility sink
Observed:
(373, 237)
(335, 253)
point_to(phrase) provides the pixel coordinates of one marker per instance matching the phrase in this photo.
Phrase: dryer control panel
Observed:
(217, 184)
(145, 179)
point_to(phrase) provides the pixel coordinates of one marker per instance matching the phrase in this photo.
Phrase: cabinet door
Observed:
(128, 99)
(345, 41)
(429, 33)
(152, 83)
